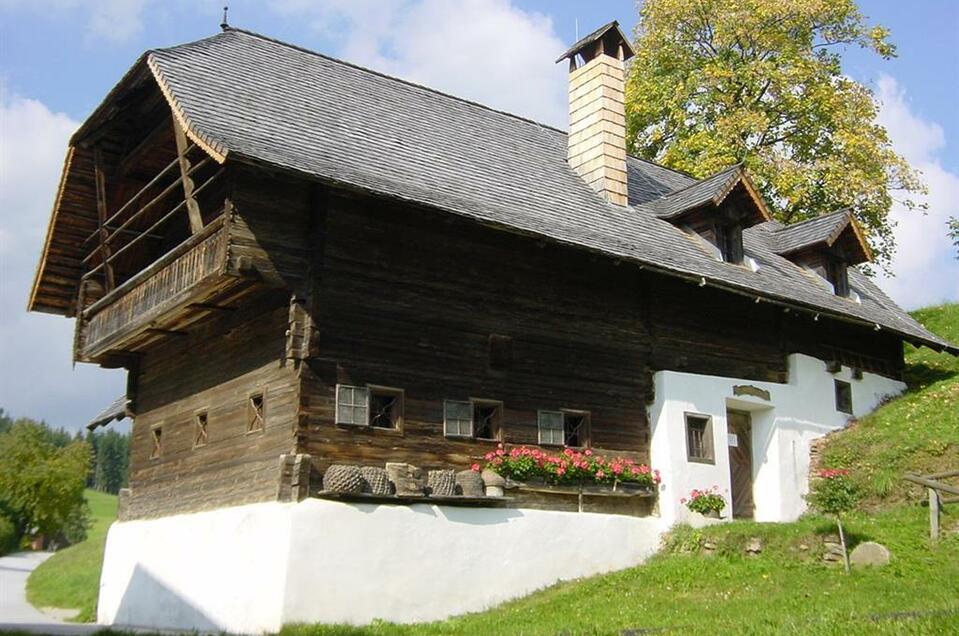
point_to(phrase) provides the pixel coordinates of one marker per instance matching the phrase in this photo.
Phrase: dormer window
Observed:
(729, 240)
(837, 273)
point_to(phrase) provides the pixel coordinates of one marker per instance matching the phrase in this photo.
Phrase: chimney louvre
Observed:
(596, 147)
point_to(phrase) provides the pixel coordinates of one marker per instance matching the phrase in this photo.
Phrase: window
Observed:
(699, 439)
(843, 396)
(487, 417)
(457, 418)
(386, 407)
(352, 405)
(200, 435)
(551, 429)
(157, 442)
(255, 413)
(837, 273)
(729, 239)
(575, 428)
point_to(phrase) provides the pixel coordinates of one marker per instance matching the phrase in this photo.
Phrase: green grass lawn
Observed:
(916, 432)
(71, 577)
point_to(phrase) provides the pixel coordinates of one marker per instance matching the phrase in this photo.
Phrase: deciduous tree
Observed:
(719, 82)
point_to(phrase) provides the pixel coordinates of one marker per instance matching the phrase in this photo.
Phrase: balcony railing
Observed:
(175, 280)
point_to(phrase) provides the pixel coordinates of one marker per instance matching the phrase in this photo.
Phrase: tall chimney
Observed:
(596, 146)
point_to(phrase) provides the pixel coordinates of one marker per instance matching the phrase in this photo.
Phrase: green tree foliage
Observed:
(719, 82)
(42, 482)
(112, 452)
(953, 224)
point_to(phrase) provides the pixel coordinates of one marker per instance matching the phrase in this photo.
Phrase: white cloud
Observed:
(37, 378)
(114, 21)
(925, 266)
(485, 50)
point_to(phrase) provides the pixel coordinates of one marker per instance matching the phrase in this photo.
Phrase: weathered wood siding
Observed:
(214, 369)
(410, 300)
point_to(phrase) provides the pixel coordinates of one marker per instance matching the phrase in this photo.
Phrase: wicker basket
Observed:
(442, 483)
(469, 483)
(375, 480)
(343, 478)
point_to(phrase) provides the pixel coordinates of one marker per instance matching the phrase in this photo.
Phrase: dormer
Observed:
(716, 210)
(826, 246)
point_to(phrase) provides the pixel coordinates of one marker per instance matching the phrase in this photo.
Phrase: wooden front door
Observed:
(739, 427)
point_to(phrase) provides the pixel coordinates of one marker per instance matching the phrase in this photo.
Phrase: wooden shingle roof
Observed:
(253, 99)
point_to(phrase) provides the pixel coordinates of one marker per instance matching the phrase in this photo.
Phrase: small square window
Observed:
(699, 439)
(352, 405)
(457, 418)
(386, 407)
(487, 417)
(551, 426)
(843, 397)
(157, 433)
(575, 428)
(255, 414)
(200, 434)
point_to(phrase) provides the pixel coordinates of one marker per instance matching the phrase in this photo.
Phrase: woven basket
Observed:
(442, 483)
(375, 480)
(469, 483)
(343, 478)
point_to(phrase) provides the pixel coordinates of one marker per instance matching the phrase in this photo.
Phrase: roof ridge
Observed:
(303, 49)
(365, 69)
(699, 181)
(846, 211)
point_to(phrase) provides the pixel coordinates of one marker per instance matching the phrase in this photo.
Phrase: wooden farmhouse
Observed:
(302, 263)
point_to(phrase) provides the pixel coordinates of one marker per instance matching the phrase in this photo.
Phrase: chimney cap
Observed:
(612, 37)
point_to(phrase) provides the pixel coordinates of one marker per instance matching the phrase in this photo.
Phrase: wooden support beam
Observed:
(192, 207)
(211, 307)
(933, 514)
(166, 332)
(929, 483)
(108, 279)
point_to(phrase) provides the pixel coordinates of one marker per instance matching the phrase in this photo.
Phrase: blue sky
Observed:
(58, 58)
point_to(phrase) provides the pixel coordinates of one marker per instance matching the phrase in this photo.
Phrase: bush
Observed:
(833, 492)
(8, 536)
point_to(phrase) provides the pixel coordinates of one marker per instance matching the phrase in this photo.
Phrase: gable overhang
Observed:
(847, 235)
(74, 215)
(728, 183)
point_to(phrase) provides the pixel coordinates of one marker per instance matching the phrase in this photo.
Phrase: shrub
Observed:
(833, 493)
(8, 536)
(705, 501)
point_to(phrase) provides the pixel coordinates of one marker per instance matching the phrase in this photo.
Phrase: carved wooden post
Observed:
(192, 207)
(100, 178)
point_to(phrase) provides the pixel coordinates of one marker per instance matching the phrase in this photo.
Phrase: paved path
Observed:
(15, 612)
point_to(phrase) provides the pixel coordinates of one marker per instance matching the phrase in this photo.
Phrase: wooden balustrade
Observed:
(162, 287)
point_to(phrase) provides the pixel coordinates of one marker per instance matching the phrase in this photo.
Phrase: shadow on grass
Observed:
(919, 375)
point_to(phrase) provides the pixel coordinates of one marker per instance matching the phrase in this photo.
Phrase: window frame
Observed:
(843, 392)
(587, 423)
(156, 439)
(446, 419)
(399, 405)
(203, 414)
(708, 443)
(837, 273)
(540, 429)
(251, 429)
(353, 405)
(484, 403)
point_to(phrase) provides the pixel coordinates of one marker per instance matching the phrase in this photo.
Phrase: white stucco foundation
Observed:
(782, 429)
(253, 568)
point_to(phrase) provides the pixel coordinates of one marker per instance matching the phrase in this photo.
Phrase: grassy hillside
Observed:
(71, 577)
(917, 432)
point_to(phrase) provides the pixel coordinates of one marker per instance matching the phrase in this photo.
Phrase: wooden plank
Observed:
(104, 247)
(933, 514)
(454, 500)
(193, 208)
(931, 483)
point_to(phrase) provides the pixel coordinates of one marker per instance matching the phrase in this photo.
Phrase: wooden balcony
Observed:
(159, 300)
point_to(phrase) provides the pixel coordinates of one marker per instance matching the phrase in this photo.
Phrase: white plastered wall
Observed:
(251, 569)
(782, 428)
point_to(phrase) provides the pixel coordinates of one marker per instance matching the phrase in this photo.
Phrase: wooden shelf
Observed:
(573, 490)
(455, 500)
